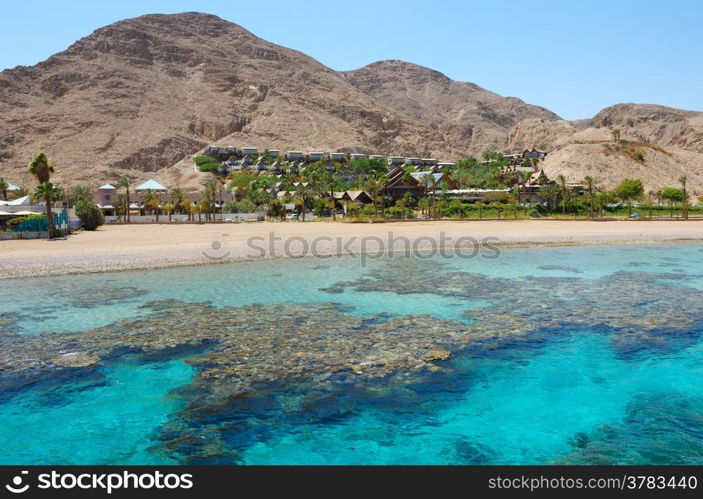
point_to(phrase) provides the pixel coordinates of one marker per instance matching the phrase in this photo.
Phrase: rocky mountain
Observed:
(139, 97)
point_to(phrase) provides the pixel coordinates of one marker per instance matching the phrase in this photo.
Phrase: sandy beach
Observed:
(129, 247)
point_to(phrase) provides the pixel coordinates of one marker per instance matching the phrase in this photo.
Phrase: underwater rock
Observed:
(473, 453)
(659, 429)
(636, 307)
(97, 296)
(436, 355)
(563, 268)
(75, 359)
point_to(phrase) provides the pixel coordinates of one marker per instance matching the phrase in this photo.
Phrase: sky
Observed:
(574, 58)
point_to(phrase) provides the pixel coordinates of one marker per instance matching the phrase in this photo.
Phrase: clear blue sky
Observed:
(574, 59)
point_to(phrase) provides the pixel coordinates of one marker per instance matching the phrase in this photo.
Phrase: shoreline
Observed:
(146, 247)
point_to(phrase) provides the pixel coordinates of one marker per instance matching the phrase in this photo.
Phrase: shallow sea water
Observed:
(576, 389)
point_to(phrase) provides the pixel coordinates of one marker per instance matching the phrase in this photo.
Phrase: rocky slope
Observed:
(469, 117)
(140, 96)
(662, 145)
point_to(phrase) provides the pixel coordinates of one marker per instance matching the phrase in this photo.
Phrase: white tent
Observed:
(23, 201)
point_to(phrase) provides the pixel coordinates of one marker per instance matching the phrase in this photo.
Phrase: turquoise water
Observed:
(589, 355)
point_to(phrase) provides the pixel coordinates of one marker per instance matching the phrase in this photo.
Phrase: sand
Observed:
(131, 247)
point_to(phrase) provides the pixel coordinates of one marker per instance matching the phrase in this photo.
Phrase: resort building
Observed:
(399, 184)
(337, 157)
(448, 166)
(344, 197)
(151, 185)
(250, 151)
(316, 156)
(474, 195)
(357, 156)
(396, 160)
(361, 197)
(534, 153)
(433, 181)
(377, 157)
(294, 155)
(106, 197)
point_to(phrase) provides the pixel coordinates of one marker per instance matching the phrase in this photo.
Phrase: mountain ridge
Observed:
(140, 96)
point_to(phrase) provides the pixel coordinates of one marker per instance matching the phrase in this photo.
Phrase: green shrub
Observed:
(243, 206)
(209, 167)
(89, 214)
(203, 159)
(367, 211)
(533, 213)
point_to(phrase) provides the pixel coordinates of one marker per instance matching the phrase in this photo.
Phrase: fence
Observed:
(61, 220)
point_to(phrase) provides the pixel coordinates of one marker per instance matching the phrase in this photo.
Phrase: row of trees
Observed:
(628, 192)
(41, 168)
(313, 190)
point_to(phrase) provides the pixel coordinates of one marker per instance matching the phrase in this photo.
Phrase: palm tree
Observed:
(424, 205)
(168, 208)
(550, 192)
(671, 195)
(123, 182)
(683, 180)
(523, 178)
(49, 193)
(151, 199)
(42, 169)
(512, 200)
(3, 188)
(480, 206)
(177, 196)
(375, 186)
(590, 186)
(562, 189)
(457, 207)
(353, 207)
(305, 195)
(79, 193)
(187, 206)
(192, 209)
(649, 203)
(204, 205)
(499, 208)
(212, 187)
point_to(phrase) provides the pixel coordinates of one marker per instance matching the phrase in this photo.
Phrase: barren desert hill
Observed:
(660, 145)
(141, 96)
